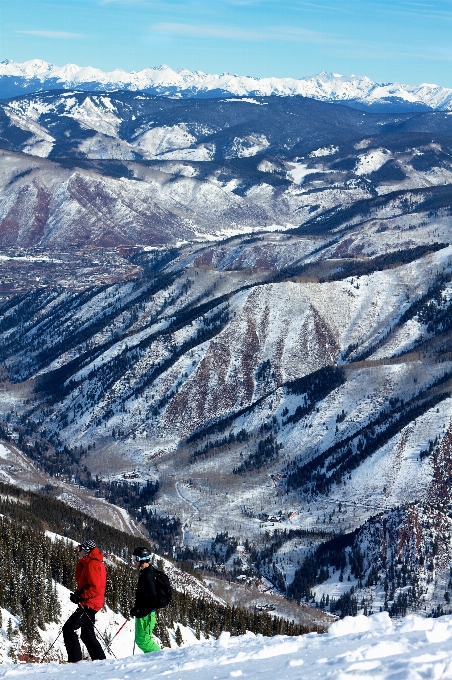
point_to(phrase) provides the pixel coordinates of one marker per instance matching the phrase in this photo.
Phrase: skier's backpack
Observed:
(162, 588)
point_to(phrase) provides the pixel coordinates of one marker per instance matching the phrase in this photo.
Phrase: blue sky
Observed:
(387, 40)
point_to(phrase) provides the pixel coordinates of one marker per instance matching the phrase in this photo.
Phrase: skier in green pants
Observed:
(145, 602)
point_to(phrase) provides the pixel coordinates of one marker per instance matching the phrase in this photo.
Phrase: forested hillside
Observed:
(36, 557)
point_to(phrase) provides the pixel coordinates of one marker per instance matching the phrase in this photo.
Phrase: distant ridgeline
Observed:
(360, 267)
(32, 563)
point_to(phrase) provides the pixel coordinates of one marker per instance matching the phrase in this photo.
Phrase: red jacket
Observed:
(91, 578)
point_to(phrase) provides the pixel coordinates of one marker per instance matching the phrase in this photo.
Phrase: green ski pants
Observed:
(143, 632)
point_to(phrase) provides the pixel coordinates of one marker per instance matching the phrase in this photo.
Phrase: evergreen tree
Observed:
(33, 564)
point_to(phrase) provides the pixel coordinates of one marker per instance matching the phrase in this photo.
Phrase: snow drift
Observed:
(373, 647)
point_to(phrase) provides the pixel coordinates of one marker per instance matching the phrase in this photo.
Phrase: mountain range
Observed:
(246, 300)
(356, 91)
(135, 169)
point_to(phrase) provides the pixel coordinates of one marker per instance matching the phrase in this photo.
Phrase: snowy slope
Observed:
(44, 204)
(31, 76)
(108, 623)
(85, 124)
(373, 647)
(52, 206)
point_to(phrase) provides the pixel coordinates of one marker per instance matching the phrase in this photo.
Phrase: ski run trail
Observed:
(354, 647)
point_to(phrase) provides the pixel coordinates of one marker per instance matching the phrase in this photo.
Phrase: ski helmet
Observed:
(141, 554)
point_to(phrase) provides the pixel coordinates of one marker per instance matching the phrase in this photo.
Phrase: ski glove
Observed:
(135, 612)
(75, 597)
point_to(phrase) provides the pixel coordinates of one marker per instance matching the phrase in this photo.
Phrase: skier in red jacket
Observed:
(91, 579)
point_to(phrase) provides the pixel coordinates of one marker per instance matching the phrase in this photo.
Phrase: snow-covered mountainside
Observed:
(366, 647)
(255, 398)
(357, 91)
(128, 169)
(143, 127)
(258, 318)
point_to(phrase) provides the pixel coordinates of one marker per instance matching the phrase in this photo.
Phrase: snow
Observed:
(301, 170)
(159, 140)
(249, 100)
(95, 115)
(30, 258)
(57, 537)
(41, 143)
(324, 151)
(372, 161)
(250, 145)
(4, 453)
(203, 152)
(40, 147)
(164, 80)
(372, 647)
(402, 339)
(102, 146)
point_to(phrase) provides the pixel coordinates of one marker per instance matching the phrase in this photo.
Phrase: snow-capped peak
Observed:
(17, 78)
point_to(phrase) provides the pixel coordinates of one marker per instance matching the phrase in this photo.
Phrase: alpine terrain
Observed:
(355, 91)
(226, 327)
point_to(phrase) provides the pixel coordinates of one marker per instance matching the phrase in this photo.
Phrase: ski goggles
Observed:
(136, 558)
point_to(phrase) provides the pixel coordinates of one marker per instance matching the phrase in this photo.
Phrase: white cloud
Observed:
(148, 4)
(278, 33)
(58, 35)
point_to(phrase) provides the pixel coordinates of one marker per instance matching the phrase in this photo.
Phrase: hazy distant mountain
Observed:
(129, 168)
(356, 91)
(138, 126)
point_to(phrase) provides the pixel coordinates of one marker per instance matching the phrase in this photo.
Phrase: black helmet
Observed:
(142, 554)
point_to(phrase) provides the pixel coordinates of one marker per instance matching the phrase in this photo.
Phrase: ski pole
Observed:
(45, 653)
(48, 650)
(126, 621)
(107, 646)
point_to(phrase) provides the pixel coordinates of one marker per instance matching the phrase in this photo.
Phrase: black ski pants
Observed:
(84, 619)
